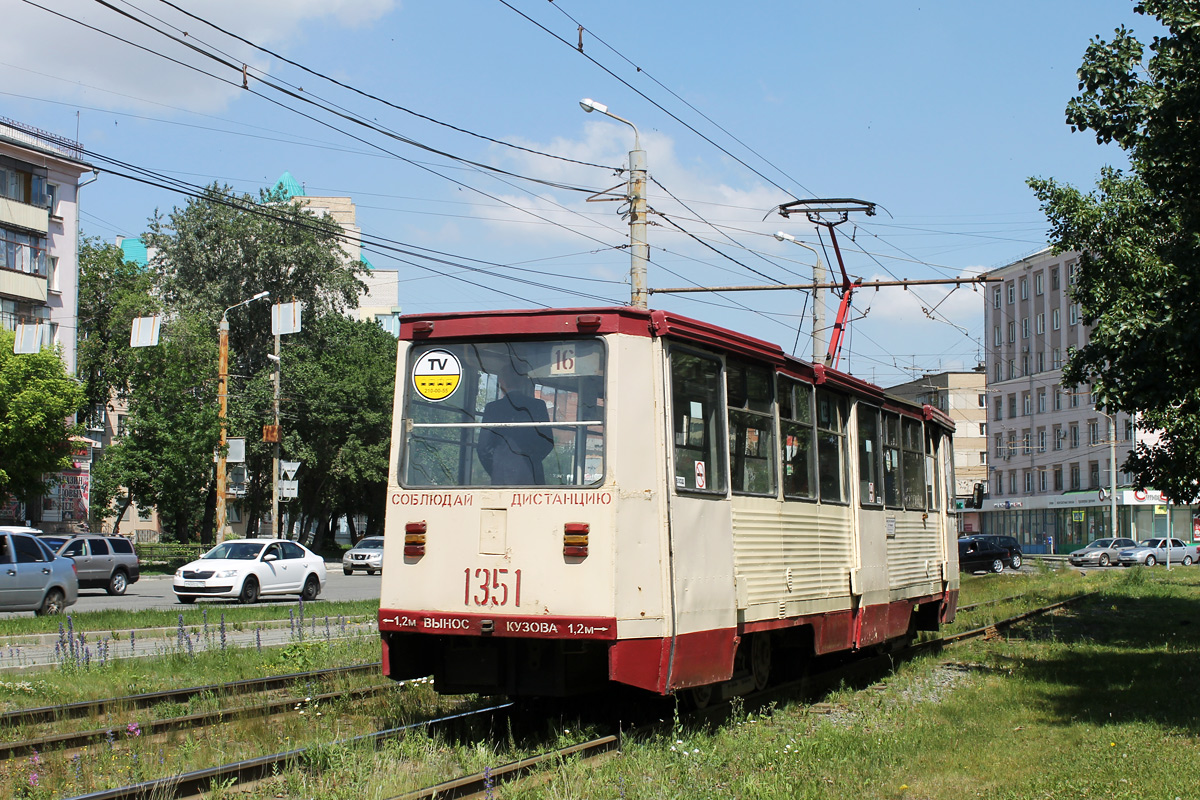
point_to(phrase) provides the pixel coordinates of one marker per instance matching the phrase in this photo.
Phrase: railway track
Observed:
(482, 784)
(135, 701)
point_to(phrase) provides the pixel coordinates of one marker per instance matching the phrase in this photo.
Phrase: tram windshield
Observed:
(517, 413)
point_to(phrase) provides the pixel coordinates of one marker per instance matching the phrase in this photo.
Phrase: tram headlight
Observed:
(575, 539)
(414, 539)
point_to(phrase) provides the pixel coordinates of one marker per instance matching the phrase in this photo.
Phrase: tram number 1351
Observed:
(490, 587)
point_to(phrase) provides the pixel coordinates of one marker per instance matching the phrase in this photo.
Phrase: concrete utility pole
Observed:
(818, 312)
(639, 249)
(222, 409)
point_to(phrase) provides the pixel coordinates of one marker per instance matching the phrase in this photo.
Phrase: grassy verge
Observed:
(118, 623)
(1097, 700)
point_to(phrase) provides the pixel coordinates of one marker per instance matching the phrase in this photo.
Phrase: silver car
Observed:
(32, 577)
(366, 555)
(1154, 551)
(1101, 552)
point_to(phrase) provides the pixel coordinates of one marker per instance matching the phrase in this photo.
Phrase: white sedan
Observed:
(248, 568)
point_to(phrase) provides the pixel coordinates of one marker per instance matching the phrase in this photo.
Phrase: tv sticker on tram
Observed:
(436, 375)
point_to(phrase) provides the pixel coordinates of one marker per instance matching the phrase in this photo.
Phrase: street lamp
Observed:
(223, 405)
(1112, 469)
(639, 250)
(818, 350)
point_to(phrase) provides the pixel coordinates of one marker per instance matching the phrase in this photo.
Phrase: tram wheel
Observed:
(700, 696)
(760, 660)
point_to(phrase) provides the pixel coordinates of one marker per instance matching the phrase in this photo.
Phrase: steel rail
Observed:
(192, 784)
(67, 741)
(248, 686)
(483, 783)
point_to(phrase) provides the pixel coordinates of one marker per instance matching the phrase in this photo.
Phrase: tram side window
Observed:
(797, 439)
(869, 462)
(932, 442)
(891, 460)
(696, 403)
(832, 412)
(751, 429)
(914, 464)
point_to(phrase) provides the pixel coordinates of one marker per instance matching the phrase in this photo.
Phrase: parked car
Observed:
(976, 553)
(1101, 552)
(366, 555)
(249, 568)
(32, 577)
(102, 562)
(1154, 551)
(1009, 543)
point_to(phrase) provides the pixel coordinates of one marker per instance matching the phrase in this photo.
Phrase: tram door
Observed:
(701, 526)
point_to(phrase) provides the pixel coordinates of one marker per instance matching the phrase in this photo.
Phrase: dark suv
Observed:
(1009, 543)
(103, 562)
(977, 553)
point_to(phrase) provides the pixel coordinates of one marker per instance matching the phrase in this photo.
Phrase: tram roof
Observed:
(541, 322)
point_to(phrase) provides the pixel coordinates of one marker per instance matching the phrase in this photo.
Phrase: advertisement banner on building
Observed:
(67, 500)
(1195, 527)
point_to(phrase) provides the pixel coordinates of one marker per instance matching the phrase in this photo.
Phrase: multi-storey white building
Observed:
(39, 277)
(1054, 458)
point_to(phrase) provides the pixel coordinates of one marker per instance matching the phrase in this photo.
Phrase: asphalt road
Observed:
(154, 592)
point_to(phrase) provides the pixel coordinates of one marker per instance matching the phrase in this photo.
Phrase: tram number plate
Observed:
(492, 587)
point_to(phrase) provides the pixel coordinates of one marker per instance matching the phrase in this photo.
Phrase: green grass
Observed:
(118, 623)
(1097, 700)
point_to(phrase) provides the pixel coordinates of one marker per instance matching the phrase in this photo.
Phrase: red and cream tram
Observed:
(593, 496)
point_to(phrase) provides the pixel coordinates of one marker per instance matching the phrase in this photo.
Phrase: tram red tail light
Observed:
(575, 539)
(414, 539)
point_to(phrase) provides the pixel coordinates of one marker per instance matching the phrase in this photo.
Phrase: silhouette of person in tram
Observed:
(513, 456)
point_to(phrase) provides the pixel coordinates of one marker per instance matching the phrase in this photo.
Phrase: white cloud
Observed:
(64, 59)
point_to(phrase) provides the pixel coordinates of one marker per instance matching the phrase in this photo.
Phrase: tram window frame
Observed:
(870, 455)
(933, 442)
(711, 425)
(892, 473)
(797, 438)
(454, 428)
(912, 460)
(749, 397)
(831, 444)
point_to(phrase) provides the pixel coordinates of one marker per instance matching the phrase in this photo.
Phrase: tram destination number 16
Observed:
(489, 587)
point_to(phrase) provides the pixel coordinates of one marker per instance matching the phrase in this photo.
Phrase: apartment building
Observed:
(1054, 457)
(40, 183)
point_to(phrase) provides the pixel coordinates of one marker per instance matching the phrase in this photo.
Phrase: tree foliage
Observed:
(112, 291)
(1137, 232)
(37, 397)
(214, 253)
(339, 378)
(165, 458)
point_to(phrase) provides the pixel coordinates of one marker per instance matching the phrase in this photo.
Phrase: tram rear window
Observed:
(504, 414)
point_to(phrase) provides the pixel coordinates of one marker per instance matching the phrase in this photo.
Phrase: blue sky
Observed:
(937, 111)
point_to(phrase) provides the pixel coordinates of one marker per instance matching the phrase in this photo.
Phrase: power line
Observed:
(644, 96)
(642, 71)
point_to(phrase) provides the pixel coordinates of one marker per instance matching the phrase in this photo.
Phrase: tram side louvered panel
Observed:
(913, 555)
(771, 540)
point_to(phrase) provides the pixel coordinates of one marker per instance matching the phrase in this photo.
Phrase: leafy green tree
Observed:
(37, 397)
(1139, 279)
(112, 291)
(339, 378)
(166, 457)
(214, 253)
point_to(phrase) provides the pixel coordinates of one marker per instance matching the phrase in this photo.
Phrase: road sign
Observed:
(288, 490)
(288, 468)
